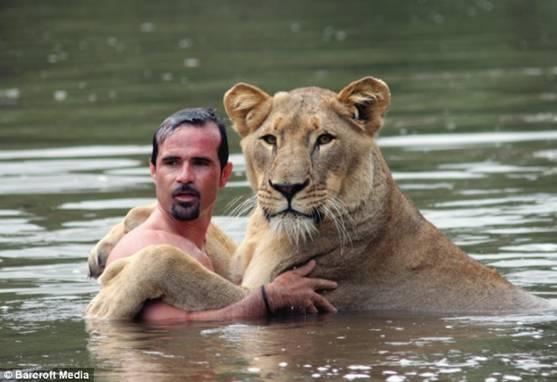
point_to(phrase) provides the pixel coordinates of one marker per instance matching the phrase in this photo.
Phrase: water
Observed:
(470, 137)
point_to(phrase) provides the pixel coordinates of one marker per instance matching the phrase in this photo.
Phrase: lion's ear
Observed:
(367, 99)
(247, 106)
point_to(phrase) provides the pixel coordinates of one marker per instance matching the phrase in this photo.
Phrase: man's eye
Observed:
(170, 162)
(201, 162)
(324, 139)
(269, 139)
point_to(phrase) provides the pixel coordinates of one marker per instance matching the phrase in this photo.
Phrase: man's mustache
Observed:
(186, 189)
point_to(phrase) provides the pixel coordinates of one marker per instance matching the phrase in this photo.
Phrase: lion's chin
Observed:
(297, 228)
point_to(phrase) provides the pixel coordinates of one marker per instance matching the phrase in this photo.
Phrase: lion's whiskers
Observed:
(300, 229)
(296, 229)
(240, 206)
(339, 215)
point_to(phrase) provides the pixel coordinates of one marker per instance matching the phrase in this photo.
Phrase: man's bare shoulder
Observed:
(144, 236)
(134, 241)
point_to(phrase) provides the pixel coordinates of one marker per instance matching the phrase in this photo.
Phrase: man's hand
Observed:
(294, 291)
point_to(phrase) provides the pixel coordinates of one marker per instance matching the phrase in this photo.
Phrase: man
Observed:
(189, 164)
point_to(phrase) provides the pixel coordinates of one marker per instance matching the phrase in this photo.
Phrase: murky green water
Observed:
(471, 137)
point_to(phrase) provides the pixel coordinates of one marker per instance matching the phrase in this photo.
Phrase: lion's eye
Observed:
(269, 139)
(324, 139)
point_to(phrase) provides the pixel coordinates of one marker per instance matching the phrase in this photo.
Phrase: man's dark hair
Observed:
(196, 117)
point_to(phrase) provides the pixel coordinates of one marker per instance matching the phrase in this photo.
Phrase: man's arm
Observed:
(164, 272)
(160, 272)
(291, 290)
(134, 242)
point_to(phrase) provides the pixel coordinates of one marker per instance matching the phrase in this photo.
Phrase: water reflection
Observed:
(76, 152)
(462, 140)
(330, 347)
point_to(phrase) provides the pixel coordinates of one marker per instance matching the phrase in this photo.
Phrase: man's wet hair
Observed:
(197, 117)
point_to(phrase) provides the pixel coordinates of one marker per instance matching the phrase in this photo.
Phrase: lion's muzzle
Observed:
(289, 190)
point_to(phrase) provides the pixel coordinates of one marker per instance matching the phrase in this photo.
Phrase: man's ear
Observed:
(225, 174)
(246, 106)
(153, 170)
(367, 100)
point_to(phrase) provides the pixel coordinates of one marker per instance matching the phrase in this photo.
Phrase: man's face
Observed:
(187, 175)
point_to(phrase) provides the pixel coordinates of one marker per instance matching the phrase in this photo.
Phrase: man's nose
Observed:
(186, 174)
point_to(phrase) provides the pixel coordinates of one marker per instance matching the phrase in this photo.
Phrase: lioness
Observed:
(323, 192)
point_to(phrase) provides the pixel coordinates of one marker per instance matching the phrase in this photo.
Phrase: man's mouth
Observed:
(186, 197)
(185, 193)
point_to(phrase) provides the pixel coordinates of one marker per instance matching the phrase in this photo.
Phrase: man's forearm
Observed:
(251, 306)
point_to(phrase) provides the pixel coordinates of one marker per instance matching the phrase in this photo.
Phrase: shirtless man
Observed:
(189, 164)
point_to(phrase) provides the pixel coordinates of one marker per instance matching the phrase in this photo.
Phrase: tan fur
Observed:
(349, 214)
(130, 281)
(127, 283)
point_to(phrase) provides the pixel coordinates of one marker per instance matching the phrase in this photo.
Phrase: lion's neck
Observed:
(368, 218)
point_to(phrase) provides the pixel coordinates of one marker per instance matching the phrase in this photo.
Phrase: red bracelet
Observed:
(266, 300)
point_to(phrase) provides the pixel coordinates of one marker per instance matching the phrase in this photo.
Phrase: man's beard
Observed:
(185, 211)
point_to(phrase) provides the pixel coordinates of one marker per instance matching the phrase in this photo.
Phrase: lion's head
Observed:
(308, 151)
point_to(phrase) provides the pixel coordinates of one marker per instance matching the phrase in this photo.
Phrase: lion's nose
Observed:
(289, 189)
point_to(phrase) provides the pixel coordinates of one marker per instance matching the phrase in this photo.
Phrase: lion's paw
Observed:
(100, 252)
(122, 295)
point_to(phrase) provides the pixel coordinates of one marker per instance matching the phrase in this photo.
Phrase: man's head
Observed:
(189, 163)
(197, 117)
